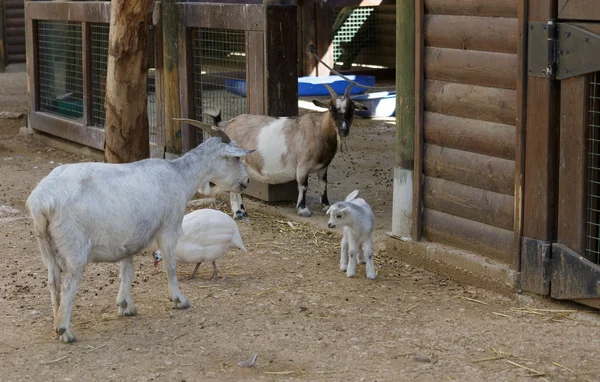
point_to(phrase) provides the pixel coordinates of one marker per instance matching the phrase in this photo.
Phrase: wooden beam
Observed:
(86, 36)
(93, 12)
(32, 66)
(523, 12)
(172, 103)
(468, 101)
(221, 16)
(468, 202)
(417, 212)
(308, 28)
(255, 72)
(458, 232)
(489, 8)
(579, 10)
(485, 34)
(67, 129)
(186, 78)
(471, 67)
(2, 43)
(281, 74)
(475, 170)
(480, 137)
(324, 37)
(541, 146)
(572, 166)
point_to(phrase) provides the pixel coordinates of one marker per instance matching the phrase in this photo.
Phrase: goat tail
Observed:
(41, 230)
(215, 114)
(351, 196)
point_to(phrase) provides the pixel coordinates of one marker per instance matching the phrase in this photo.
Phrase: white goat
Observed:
(100, 212)
(357, 218)
(292, 148)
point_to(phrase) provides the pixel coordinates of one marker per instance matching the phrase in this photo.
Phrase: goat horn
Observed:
(348, 89)
(212, 131)
(331, 91)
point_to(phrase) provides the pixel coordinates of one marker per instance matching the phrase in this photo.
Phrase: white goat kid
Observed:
(292, 148)
(357, 219)
(100, 212)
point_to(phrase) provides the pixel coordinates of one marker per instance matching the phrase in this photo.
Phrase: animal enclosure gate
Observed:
(561, 244)
(231, 56)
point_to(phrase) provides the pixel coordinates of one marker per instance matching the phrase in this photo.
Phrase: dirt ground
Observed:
(285, 300)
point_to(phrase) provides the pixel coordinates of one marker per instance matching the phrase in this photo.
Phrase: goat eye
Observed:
(338, 216)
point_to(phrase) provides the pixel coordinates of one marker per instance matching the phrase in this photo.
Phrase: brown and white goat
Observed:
(292, 148)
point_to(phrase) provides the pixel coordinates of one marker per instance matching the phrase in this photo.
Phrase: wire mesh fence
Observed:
(99, 52)
(592, 238)
(354, 30)
(219, 72)
(60, 69)
(99, 63)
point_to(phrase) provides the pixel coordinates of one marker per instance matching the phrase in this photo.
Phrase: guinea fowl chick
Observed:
(207, 235)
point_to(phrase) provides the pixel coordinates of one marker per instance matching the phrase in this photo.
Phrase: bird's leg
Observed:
(215, 271)
(194, 271)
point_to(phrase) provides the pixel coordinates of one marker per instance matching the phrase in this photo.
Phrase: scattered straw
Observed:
(565, 368)
(488, 359)
(500, 352)
(56, 360)
(280, 372)
(301, 371)
(222, 367)
(503, 315)
(411, 308)
(95, 349)
(472, 300)
(535, 372)
(272, 290)
(332, 372)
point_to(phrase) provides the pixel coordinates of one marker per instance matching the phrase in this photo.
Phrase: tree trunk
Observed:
(126, 131)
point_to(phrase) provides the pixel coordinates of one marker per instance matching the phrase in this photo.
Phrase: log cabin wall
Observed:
(469, 117)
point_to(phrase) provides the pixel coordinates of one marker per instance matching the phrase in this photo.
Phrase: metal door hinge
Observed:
(561, 50)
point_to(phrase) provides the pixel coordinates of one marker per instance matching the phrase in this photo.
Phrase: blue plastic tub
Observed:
(380, 104)
(312, 86)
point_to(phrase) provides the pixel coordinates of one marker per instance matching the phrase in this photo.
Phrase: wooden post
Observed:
(540, 170)
(2, 50)
(172, 102)
(402, 222)
(126, 131)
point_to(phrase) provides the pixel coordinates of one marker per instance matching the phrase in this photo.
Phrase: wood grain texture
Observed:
(93, 12)
(491, 8)
(471, 67)
(222, 16)
(67, 129)
(255, 72)
(419, 120)
(541, 146)
(189, 133)
(520, 131)
(281, 77)
(572, 163)
(469, 101)
(475, 170)
(126, 129)
(483, 239)
(480, 137)
(170, 19)
(468, 202)
(579, 10)
(472, 33)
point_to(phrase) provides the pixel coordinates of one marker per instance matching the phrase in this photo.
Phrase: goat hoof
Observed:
(350, 274)
(238, 215)
(304, 212)
(127, 311)
(181, 303)
(343, 268)
(371, 276)
(67, 336)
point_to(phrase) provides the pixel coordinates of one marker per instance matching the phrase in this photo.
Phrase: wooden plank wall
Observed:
(14, 24)
(470, 105)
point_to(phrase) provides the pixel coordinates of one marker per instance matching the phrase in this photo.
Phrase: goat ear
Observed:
(328, 210)
(351, 196)
(232, 151)
(359, 106)
(320, 104)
